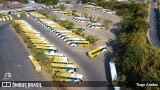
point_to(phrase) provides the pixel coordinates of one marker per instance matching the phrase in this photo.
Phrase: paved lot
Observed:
(92, 69)
(13, 59)
(103, 35)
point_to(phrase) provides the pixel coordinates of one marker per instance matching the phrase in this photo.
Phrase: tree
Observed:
(62, 7)
(85, 15)
(70, 25)
(23, 1)
(106, 23)
(48, 2)
(92, 39)
(74, 11)
(68, 1)
(95, 19)
(67, 24)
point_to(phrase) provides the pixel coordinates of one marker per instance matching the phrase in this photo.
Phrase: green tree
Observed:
(62, 7)
(106, 22)
(68, 1)
(92, 39)
(85, 15)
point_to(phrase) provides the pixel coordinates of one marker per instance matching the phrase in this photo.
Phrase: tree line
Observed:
(137, 60)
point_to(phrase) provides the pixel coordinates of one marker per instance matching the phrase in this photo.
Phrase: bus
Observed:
(27, 15)
(81, 19)
(42, 44)
(65, 33)
(69, 40)
(86, 7)
(97, 8)
(47, 48)
(96, 25)
(71, 67)
(62, 36)
(35, 63)
(63, 60)
(39, 42)
(95, 52)
(1, 20)
(67, 37)
(68, 77)
(79, 43)
(65, 13)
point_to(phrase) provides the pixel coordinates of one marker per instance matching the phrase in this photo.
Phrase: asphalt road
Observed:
(92, 69)
(14, 59)
(152, 34)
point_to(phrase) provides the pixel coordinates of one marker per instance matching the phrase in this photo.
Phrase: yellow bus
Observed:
(59, 67)
(27, 15)
(63, 60)
(35, 63)
(65, 13)
(68, 77)
(97, 51)
(79, 43)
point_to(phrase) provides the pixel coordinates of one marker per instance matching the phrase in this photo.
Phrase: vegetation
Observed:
(92, 39)
(136, 60)
(50, 16)
(85, 15)
(95, 19)
(68, 1)
(67, 24)
(48, 2)
(62, 7)
(74, 11)
(79, 32)
(23, 1)
(106, 23)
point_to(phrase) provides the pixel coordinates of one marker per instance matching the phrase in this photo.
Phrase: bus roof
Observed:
(64, 65)
(80, 41)
(48, 21)
(36, 64)
(62, 59)
(96, 49)
(38, 15)
(113, 71)
(74, 35)
(67, 74)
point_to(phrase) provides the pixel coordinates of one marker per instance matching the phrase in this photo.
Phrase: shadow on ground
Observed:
(108, 57)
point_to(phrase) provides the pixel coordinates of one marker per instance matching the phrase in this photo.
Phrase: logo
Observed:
(6, 84)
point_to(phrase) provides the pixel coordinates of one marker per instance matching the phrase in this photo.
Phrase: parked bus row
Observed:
(95, 7)
(4, 18)
(60, 64)
(68, 36)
